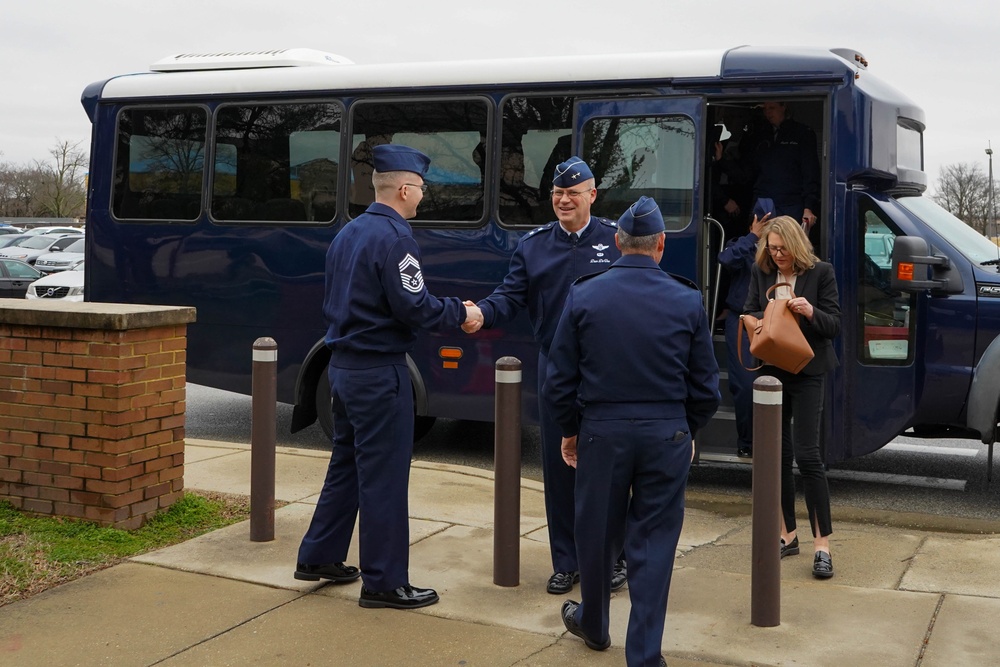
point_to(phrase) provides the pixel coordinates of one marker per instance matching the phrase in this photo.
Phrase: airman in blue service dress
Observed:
(544, 265)
(631, 377)
(375, 302)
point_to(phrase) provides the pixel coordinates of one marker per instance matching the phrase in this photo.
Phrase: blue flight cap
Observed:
(642, 218)
(571, 172)
(396, 157)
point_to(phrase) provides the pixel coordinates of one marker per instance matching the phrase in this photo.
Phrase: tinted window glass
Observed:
(276, 162)
(652, 156)
(887, 330)
(535, 137)
(452, 133)
(159, 168)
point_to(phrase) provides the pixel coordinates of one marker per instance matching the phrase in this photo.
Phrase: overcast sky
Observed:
(942, 54)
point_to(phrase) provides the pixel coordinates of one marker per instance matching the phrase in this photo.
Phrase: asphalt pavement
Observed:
(900, 596)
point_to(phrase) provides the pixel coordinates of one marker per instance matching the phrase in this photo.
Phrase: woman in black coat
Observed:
(785, 255)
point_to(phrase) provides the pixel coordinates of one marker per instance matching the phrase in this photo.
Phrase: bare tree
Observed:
(62, 193)
(964, 190)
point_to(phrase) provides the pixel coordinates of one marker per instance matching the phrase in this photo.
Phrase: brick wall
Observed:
(92, 411)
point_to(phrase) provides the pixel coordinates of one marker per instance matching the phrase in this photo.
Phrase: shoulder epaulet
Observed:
(534, 232)
(682, 280)
(587, 277)
(607, 222)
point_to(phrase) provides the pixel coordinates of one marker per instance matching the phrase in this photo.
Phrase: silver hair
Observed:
(645, 245)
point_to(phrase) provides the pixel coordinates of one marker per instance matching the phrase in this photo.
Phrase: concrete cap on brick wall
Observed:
(90, 315)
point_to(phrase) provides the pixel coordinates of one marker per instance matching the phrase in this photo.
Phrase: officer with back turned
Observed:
(631, 377)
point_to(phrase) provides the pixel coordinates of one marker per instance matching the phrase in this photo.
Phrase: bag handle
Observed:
(775, 286)
(739, 347)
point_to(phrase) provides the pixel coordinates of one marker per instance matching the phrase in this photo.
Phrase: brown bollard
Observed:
(263, 432)
(507, 474)
(765, 574)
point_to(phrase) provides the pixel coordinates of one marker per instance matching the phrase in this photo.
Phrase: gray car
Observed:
(15, 276)
(30, 248)
(61, 260)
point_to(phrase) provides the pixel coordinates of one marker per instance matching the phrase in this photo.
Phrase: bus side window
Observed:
(160, 163)
(535, 137)
(449, 132)
(276, 163)
(884, 314)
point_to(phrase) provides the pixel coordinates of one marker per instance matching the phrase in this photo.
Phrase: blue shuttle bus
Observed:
(218, 181)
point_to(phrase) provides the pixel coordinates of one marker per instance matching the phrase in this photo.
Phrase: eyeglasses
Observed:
(572, 194)
(423, 186)
(777, 250)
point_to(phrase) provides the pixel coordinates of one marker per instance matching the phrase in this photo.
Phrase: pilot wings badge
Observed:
(410, 274)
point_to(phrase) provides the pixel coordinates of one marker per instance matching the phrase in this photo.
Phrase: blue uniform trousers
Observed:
(559, 481)
(740, 380)
(615, 457)
(368, 474)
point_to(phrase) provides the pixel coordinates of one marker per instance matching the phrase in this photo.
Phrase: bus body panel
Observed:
(266, 279)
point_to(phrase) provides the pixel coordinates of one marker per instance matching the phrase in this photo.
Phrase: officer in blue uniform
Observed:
(631, 378)
(544, 265)
(375, 302)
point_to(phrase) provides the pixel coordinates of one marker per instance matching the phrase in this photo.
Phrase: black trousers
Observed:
(801, 420)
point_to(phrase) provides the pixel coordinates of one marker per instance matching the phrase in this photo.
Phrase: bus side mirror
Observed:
(910, 257)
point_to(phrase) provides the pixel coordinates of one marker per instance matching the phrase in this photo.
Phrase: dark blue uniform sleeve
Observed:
(510, 296)
(735, 255)
(562, 380)
(703, 396)
(410, 302)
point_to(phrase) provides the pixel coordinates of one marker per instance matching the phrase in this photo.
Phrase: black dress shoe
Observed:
(745, 452)
(790, 549)
(337, 572)
(663, 663)
(619, 575)
(404, 597)
(562, 582)
(822, 565)
(569, 620)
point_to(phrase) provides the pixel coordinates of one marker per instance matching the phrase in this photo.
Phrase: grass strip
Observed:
(37, 553)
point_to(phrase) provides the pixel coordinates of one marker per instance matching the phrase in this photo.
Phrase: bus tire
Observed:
(324, 413)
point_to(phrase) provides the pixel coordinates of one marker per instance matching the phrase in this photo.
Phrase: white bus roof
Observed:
(280, 73)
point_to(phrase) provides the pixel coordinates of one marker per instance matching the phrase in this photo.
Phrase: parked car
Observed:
(31, 248)
(15, 278)
(10, 229)
(879, 248)
(66, 285)
(11, 239)
(60, 260)
(35, 231)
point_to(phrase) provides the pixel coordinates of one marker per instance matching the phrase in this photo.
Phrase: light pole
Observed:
(993, 212)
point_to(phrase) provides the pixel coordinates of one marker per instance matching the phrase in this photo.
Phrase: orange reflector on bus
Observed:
(904, 271)
(450, 355)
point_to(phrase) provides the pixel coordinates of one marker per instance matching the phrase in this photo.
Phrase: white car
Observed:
(29, 248)
(61, 260)
(67, 285)
(53, 230)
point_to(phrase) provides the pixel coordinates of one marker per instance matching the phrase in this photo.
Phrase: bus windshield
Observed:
(976, 247)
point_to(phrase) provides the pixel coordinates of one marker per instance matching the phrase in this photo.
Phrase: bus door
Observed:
(650, 146)
(880, 369)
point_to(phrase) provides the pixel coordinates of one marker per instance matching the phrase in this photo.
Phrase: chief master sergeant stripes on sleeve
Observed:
(544, 265)
(375, 301)
(631, 377)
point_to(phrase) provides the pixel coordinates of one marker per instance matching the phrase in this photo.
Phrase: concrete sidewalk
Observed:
(899, 597)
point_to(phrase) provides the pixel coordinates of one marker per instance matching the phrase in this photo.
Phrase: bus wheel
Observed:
(324, 413)
(421, 426)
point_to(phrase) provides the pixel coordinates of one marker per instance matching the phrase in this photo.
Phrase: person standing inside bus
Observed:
(631, 378)
(375, 302)
(785, 167)
(544, 265)
(787, 256)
